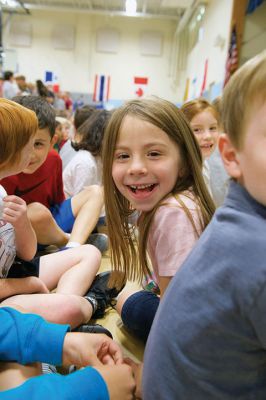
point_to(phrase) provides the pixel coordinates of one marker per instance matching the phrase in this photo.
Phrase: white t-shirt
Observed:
(67, 153)
(10, 89)
(83, 170)
(7, 241)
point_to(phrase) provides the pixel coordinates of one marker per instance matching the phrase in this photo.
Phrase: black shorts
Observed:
(23, 269)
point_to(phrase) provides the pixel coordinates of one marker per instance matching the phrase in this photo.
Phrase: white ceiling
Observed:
(170, 9)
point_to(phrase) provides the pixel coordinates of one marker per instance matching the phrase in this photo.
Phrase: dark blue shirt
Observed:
(208, 339)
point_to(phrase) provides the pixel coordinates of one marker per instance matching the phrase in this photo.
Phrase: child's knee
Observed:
(87, 251)
(73, 310)
(38, 212)
(94, 190)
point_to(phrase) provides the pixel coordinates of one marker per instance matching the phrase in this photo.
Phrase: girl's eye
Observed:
(154, 153)
(196, 130)
(213, 128)
(121, 156)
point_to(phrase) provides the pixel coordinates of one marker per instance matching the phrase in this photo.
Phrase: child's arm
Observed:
(15, 212)
(12, 286)
(163, 283)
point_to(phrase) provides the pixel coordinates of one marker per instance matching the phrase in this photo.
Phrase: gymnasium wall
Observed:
(76, 47)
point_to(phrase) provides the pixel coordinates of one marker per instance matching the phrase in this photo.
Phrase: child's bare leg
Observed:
(13, 374)
(57, 308)
(86, 207)
(71, 271)
(45, 226)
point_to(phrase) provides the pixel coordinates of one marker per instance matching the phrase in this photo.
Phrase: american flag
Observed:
(232, 57)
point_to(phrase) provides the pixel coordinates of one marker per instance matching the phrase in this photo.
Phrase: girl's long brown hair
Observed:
(127, 258)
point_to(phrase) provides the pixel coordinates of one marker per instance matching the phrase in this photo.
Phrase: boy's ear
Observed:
(54, 140)
(229, 156)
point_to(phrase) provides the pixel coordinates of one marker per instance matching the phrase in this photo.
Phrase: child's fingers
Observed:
(13, 200)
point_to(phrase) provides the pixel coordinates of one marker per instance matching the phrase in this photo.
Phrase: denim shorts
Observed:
(63, 215)
(138, 313)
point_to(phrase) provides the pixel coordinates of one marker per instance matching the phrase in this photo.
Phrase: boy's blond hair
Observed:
(245, 91)
(17, 126)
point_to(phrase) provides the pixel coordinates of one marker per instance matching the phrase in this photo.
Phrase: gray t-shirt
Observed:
(208, 339)
(219, 179)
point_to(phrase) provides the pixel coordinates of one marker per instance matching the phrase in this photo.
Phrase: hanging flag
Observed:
(203, 87)
(232, 57)
(101, 88)
(252, 5)
(186, 90)
(50, 77)
(141, 85)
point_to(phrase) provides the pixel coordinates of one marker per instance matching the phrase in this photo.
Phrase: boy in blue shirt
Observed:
(27, 338)
(208, 340)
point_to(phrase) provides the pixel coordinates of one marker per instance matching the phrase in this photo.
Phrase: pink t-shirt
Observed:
(172, 235)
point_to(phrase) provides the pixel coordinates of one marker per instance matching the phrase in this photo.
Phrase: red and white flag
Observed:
(140, 85)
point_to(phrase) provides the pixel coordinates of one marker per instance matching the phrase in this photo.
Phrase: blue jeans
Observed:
(138, 313)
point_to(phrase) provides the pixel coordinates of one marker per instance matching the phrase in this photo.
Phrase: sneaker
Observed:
(93, 329)
(99, 240)
(104, 295)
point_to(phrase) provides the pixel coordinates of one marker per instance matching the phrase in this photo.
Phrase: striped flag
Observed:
(232, 57)
(101, 88)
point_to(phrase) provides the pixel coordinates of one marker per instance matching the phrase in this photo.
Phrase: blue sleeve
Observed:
(27, 338)
(84, 384)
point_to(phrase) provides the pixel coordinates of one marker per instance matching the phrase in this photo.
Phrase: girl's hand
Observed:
(15, 211)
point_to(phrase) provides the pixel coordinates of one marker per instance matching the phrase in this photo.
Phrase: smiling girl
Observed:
(204, 121)
(152, 165)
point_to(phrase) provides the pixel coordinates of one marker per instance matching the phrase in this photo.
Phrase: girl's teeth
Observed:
(140, 186)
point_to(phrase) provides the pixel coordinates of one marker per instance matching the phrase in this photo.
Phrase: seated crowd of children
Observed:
(189, 235)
